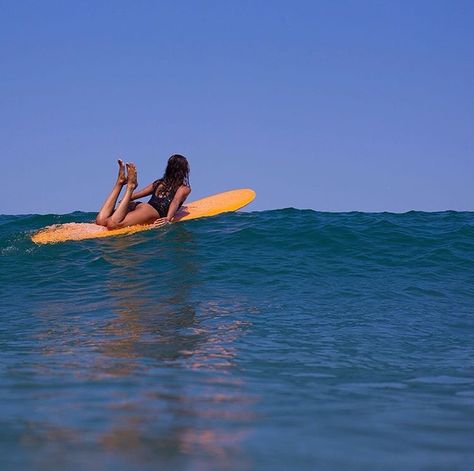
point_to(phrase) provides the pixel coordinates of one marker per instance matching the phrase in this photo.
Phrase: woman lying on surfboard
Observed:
(167, 195)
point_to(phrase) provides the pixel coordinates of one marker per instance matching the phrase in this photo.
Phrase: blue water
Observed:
(275, 340)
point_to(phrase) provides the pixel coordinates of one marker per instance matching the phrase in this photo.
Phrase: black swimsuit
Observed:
(161, 201)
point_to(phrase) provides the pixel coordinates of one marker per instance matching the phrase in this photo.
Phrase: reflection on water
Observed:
(152, 361)
(155, 314)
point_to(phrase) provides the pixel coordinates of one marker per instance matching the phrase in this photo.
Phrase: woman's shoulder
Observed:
(156, 184)
(186, 189)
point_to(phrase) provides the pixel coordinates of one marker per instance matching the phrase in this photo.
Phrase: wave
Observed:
(269, 246)
(295, 228)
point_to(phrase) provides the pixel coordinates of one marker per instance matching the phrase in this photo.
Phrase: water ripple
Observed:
(276, 339)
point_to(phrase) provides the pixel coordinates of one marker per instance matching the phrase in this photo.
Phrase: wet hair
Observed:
(176, 173)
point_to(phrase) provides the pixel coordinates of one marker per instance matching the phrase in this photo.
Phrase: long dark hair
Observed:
(176, 174)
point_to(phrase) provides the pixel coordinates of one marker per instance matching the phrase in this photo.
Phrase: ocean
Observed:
(285, 339)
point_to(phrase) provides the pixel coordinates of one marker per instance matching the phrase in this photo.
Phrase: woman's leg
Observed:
(123, 217)
(109, 205)
(144, 214)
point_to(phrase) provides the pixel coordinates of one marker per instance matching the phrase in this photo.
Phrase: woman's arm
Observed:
(179, 198)
(148, 190)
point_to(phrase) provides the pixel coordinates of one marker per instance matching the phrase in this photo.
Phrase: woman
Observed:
(167, 195)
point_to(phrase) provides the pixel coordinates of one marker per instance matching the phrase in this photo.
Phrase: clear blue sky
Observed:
(330, 105)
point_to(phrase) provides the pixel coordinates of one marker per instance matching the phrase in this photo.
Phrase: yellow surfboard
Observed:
(209, 206)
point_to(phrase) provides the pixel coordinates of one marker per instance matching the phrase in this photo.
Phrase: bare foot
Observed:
(121, 177)
(132, 176)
